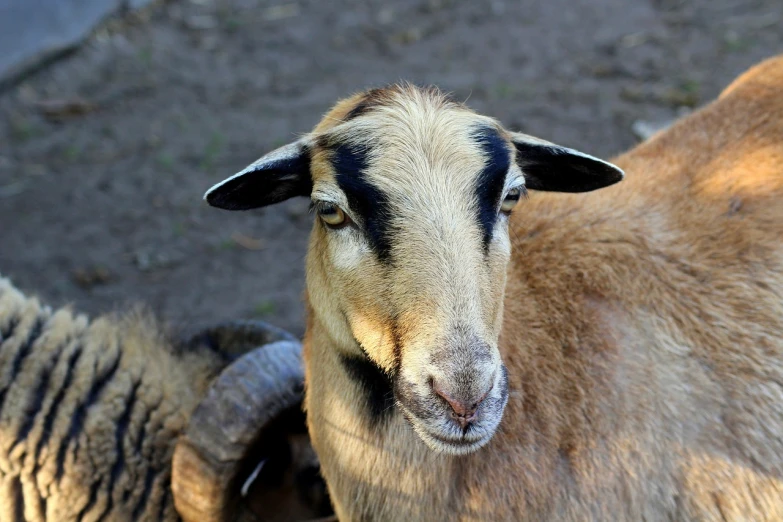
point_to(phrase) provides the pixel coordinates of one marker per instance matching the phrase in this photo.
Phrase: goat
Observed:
(94, 413)
(630, 339)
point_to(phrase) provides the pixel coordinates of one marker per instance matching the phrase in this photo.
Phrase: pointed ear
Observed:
(281, 174)
(550, 167)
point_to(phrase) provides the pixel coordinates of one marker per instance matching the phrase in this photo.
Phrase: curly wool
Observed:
(90, 412)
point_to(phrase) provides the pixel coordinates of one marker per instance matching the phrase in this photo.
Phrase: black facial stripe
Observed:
(367, 104)
(376, 384)
(489, 185)
(365, 199)
(361, 107)
(397, 349)
(371, 99)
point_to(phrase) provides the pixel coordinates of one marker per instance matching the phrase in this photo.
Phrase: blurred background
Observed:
(105, 151)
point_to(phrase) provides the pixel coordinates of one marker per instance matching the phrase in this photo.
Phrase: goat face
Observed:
(407, 262)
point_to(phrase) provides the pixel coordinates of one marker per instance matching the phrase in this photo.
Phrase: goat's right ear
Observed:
(550, 167)
(275, 177)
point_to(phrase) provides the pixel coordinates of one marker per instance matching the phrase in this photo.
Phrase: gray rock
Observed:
(643, 129)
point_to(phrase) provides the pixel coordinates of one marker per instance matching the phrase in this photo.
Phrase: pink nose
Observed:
(464, 412)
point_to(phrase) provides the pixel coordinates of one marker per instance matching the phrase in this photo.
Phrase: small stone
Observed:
(643, 129)
(247, 242)
(385, 16)
(13, 189)
(633, 40)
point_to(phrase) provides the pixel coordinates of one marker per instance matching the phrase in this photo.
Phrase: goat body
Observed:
(642, 336)
(615, 356)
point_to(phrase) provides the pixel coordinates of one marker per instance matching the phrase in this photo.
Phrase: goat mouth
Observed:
(447, 443)
(460, 442)
(453, 445)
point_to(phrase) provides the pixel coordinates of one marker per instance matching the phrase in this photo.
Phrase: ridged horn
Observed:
(232, 339)
(210, 458)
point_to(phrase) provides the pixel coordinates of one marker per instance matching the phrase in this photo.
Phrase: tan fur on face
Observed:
(434, 214)
(418, 316)
(642, 334)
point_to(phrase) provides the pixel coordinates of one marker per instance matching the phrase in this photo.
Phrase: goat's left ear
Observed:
(553, 168)
(275, 177)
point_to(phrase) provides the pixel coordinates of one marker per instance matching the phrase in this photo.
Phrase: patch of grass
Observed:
(226, 244)
(181, 121)
(165, 161)
(178, 229)
(145, 56)
(690, 86)
(632, 94)
(504, 91)
(108, 131)
(408, 36)
(264, 309)
(735, 43)
(72, 153)
(231, 23)
(511, 91)
(22, 129)
(686, 94)
(211, 151)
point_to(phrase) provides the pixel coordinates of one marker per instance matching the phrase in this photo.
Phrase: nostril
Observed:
(458, 408)
(462, 411)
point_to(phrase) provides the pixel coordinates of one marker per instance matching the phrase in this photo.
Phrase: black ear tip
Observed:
(215, 197)
(611, 175)
(224, 204)
(606, 172)
(212, 197)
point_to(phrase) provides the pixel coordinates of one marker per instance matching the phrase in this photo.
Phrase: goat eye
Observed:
(333, 216)
(511, 200)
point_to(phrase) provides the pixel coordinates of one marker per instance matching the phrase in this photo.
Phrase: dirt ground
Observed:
(100, 197)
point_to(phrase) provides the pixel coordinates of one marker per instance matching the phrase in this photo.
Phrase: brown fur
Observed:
(642, 335)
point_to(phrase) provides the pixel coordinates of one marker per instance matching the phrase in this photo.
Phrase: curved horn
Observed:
(208, 458)
(235, 338)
